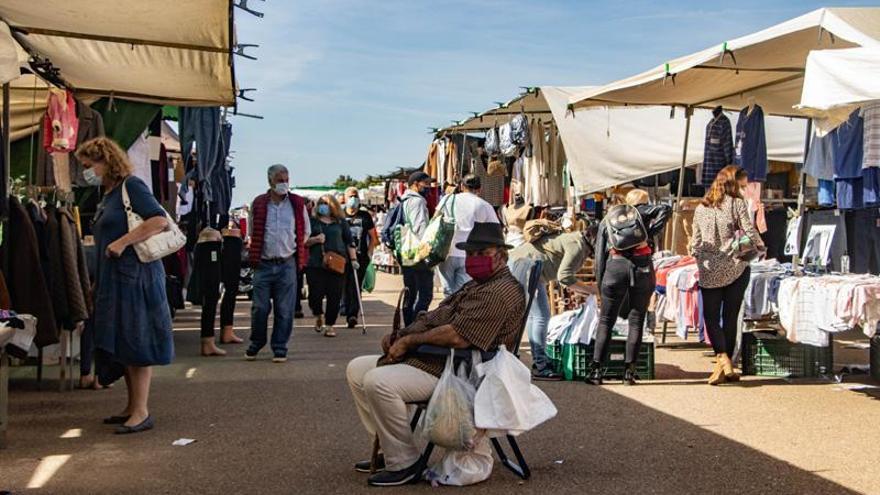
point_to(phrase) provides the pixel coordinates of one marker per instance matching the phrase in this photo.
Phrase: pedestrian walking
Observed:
(132, 319)
(466, 207)
(365, 238)
(330, 254)
(280, 226)
(417, 279)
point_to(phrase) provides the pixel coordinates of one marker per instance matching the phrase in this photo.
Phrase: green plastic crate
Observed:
(573, 360)
(770, 355)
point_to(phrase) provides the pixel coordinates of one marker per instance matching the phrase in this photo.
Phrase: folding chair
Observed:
(520, 468)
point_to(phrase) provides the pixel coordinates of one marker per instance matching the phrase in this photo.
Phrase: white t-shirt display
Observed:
(469, 208)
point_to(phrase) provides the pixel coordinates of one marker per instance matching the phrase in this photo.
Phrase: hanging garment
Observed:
(847, 147)
(718, 149)
(752, 195)
(24, 275)
(60, 123)
(871, 137)
(556, 172)
(91, 125)
(139, 156)
(202, 126)
(70, 262)
(431, 161)
(751, 143)
(534, 166)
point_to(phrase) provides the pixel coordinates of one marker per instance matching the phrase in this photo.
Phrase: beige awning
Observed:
(158, 51)
(768, 65)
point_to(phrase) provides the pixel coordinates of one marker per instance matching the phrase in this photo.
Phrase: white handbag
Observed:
(158, 246)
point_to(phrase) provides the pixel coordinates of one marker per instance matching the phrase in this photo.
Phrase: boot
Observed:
(209, 348)
(228, 336)
(727, 368)
(594, 375)
(629, 374)
(717, 376)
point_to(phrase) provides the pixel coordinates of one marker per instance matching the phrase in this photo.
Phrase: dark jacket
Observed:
(24, 275)
(70, 263)
(655, 218)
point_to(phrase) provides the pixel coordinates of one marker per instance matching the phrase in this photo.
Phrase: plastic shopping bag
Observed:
(406, 246)
(369, 281)
(461, 468)
(437, 238)
(449, 418)
(506, 399)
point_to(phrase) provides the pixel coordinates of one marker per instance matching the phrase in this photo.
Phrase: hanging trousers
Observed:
(325, 284)
(208, 264)
(230, 273)
(625, 278)
(721, 307)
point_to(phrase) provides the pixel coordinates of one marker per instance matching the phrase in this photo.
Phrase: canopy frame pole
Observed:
(802, 187)
(676, 208)
(7, 150)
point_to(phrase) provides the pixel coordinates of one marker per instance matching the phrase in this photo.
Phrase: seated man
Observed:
(487, 312)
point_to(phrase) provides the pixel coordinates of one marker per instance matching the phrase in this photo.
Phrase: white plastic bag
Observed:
(461, 468)
(449, 418)
(507, 400)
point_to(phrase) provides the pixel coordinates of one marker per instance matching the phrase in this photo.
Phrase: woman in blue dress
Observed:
(132, 321)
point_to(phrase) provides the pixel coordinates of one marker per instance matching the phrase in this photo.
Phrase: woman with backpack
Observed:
(625, 271)
(724, 241)
(330, 249)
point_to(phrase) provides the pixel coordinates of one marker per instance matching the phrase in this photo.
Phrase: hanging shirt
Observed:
(871, 136)
(847, 147)
(820, 162)
(751, 143)
(718, 151)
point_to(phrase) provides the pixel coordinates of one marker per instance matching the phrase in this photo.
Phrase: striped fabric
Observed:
(871, 157)
(718, 150)
(486, 314)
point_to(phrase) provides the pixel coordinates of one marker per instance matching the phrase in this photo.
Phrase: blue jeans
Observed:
(420, 283)
(539, 314)
(453, 274)
(273, 284)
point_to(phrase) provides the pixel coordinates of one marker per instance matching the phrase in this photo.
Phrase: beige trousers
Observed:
(381, 394)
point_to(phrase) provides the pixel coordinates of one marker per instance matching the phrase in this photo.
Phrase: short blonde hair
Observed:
(105, 150)
(352, 189)
(637, 197)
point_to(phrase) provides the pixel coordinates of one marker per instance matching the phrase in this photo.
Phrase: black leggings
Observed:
(207, 263)
(631, 279)
(324, 283)
(721, 312)
(231, 273)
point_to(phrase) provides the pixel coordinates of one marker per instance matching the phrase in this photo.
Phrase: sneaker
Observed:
(629, 375)
(329, 332)
(594, 376)
(352, 321)
(279, 359)
(546, 375)
(299, 315)
(396, 478)
(364, 466)
(249, 356)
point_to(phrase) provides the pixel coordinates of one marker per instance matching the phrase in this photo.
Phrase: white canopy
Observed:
(768, 65)
(606, 147)
(160, 51)
(838, 81)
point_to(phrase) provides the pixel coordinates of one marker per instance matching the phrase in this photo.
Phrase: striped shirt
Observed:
(871, 136)
(486, 314)
(718, 150)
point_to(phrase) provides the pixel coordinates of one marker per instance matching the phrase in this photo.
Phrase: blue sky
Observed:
(351, 87)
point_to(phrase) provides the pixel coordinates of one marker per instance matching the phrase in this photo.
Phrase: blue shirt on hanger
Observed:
(847, 147)
(751, 143)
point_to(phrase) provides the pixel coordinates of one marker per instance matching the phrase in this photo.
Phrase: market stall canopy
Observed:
(606, 147)
(768, 65)
(838, 81)
(161, 51)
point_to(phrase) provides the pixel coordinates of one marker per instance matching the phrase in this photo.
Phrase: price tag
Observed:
(214, 256)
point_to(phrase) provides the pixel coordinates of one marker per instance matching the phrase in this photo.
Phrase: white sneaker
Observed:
(278, 359)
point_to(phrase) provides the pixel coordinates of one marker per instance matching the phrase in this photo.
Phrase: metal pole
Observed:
(357, 284)
(676, 208)
(4, 176)
(802, 190)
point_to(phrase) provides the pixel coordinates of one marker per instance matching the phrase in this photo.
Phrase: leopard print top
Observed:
(714, 229)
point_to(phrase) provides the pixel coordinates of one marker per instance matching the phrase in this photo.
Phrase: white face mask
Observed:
(91, 177)
(282, 188)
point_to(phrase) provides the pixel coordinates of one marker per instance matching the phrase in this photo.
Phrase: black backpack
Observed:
(625, 227)
(394, 218)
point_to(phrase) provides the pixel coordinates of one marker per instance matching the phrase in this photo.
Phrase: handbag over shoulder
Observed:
(159, 245)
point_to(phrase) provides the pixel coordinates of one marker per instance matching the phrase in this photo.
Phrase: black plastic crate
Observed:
(573, 360)
(875, 357)
(765, 354)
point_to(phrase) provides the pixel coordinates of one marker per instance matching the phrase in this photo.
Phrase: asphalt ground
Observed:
(291, 428)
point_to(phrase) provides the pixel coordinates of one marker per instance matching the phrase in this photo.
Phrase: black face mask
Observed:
(424, 191)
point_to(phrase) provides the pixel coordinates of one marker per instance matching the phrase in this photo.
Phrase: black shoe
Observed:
(546, 375)
(396, 478)
(594, 376)
(299, 315)
(145, 425)
(364, 466)
(629, 375)
(352, 322)
(116, 420)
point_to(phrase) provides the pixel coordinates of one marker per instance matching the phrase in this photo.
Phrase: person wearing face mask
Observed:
(330, 233)
(279, 229)
(365, 238)
(132, 320)
(419, 280)
(484, 314)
